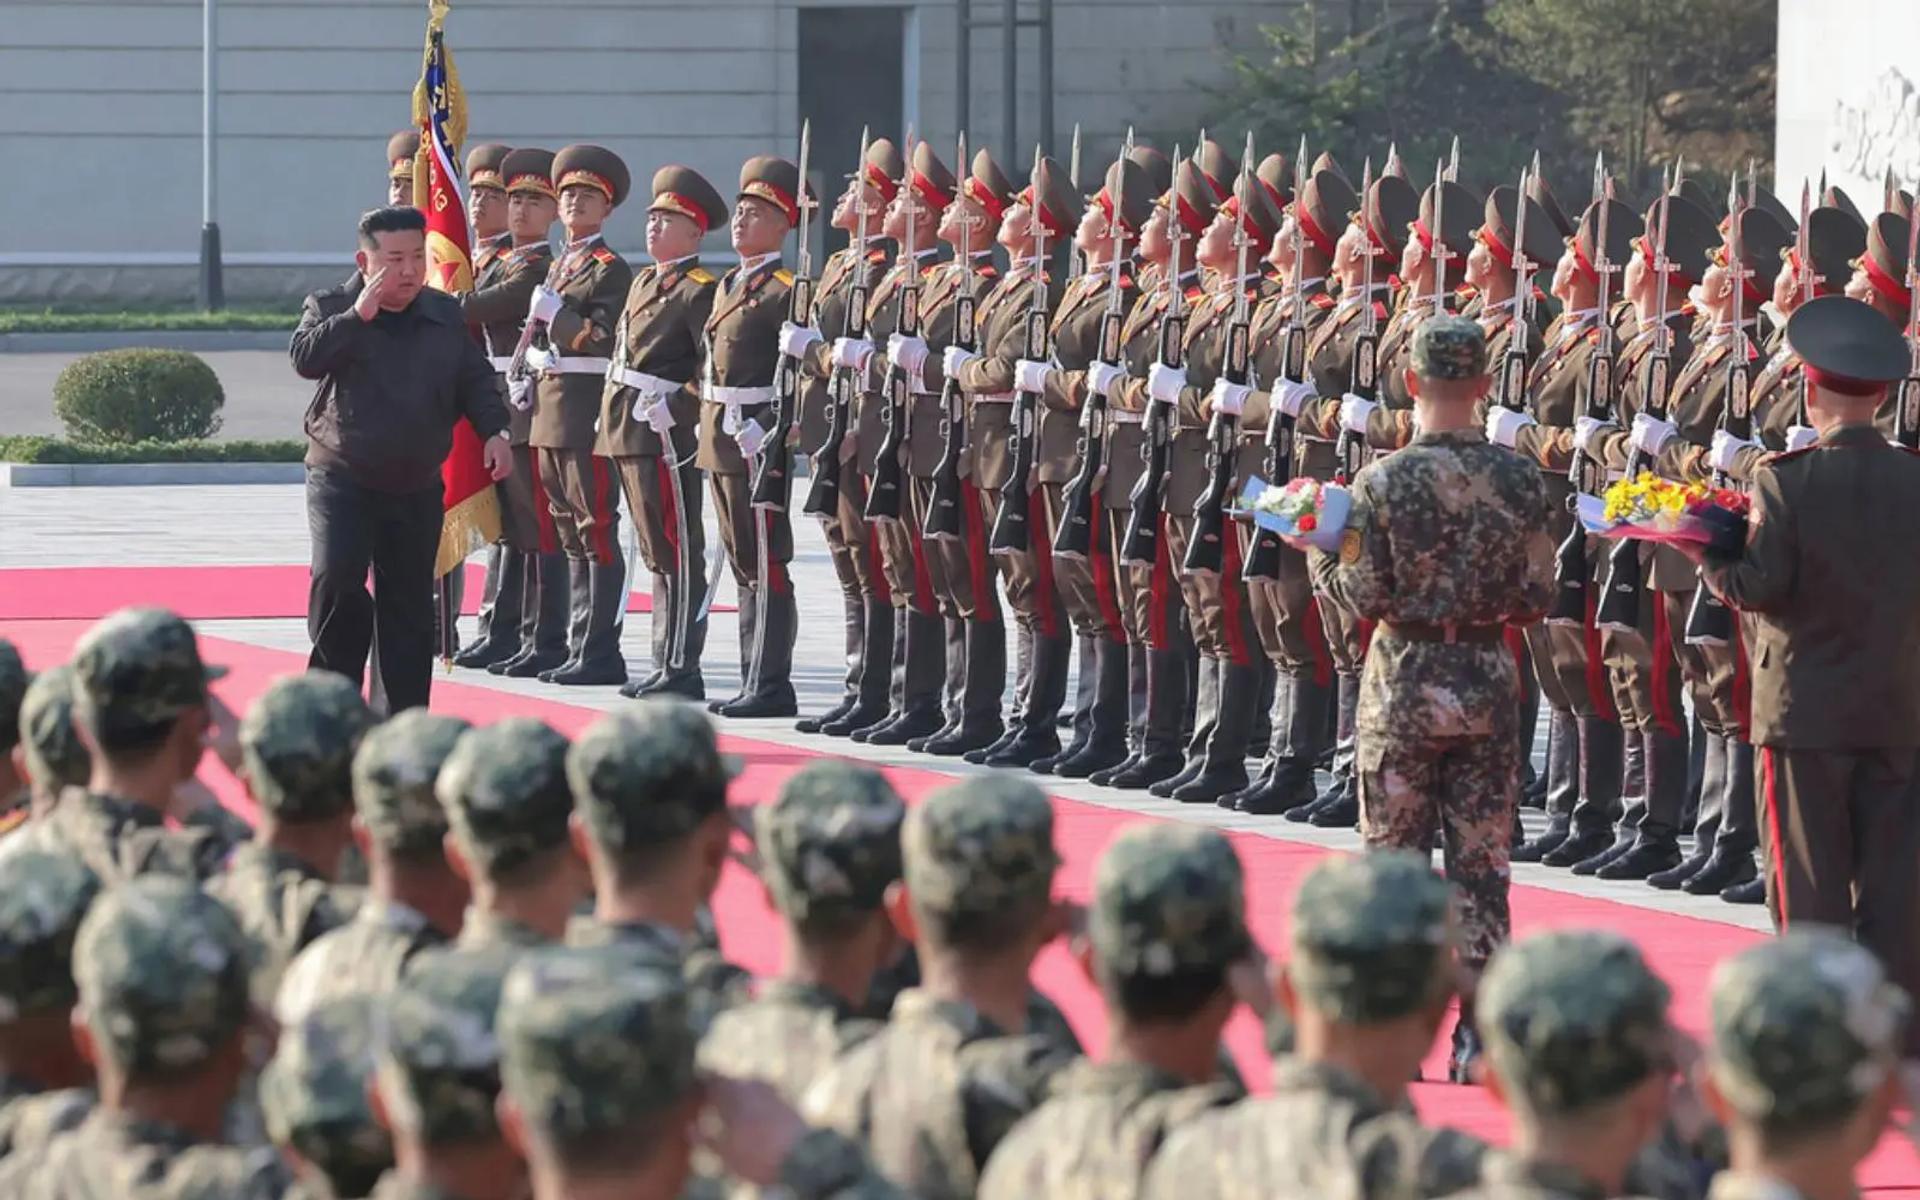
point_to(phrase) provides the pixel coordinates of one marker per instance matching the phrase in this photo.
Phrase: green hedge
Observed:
(48, 450)
(139, 395)
(47, 320)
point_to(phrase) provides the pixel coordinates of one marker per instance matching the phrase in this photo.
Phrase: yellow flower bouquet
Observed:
(1649, 508)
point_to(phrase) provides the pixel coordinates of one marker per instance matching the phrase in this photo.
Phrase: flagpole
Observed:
(212, 287)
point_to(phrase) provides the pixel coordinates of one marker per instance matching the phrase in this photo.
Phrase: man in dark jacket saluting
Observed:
(396, 368)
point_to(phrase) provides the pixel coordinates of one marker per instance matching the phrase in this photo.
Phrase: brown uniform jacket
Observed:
(592, 281)
(503, 283)
(883, 320)
(659, 335)
(1076, 343)
(1330, 362)
(1002, 339)
(1269, 328)
(743, 350)
(1206, 350)
(939, 312)
(1139, 350)
(830, 298)
(1832, 588)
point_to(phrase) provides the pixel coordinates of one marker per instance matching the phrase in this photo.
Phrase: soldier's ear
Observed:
(18, 757)
(83, 1040)
(457, 861)
(1412, 381)
(1496, 1087)
(513, 1127)
(899, 905)
(377, 1102)
(362, 840)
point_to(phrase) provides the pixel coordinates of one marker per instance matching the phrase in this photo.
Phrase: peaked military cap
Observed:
(1218, 167)
(830, 843)
(1325, 161)
(1276, 173)
(1885, 261)
(505, 792)
(298, 741)
(439, 1047)
(401, 148)
(1158, 168)
(137, 670)
(683, 190)
(13, 690)
(1767, 202)
(483, 165)
(56, 757)
(1834, 240)
(1762, 241)
(1900, 202)
(1623, 225)
(1498, 227)
(1693, 190)
(1692, 238)
(313, 1095)
(930, 178)
(393, 779)
(1573, 1019)
(1389, 214)
(774, 180)
(1836, 197)
(1462, 211)
(1395, 167)
(979, 846)
(1253, 207)
(1370, 937)
(1847, 346)
(1323, 207)
(1193, 202)
(528, 169)
(1168, 899)
(1058, 205)
(46, 897)
(1127, 181)
(987, 185)
(648, 773)
(1542, 192)
(884, 169)
(596, 167)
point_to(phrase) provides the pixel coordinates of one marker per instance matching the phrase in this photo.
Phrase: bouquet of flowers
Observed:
(1304, 509)
(1648, 508)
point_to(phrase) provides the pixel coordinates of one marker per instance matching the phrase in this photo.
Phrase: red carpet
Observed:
(1683, 949)
(198, 593)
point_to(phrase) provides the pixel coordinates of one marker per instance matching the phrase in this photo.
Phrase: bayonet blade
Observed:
(1438, 234)
(1073, 162)
(807, 202)
(1453, 160)
(1366, 248)
(1039, 228)
(1241, 241)
(1802, 247)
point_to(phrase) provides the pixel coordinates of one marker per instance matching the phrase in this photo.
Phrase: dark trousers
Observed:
(354, 528)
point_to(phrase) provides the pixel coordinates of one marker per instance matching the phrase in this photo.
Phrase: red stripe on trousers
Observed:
(1663, 668)
(669, 522)
(1316, 633)
(1742, 680)
(776, 571)
(923, 598)
(979, 578)
(1233, 601)
(542, 507)
(1158, 583)
(1102, 566)
(877, 566)
(1776, 846)
(1599, 691)
(1046, 602)
(601, 502)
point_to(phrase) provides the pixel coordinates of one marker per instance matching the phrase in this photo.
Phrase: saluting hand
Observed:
(366, 305)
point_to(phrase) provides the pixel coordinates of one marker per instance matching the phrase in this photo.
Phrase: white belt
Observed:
(645, 384)
(739, 397)
(502, 363)
(993, 398)
(1121, 416)
(563, 365)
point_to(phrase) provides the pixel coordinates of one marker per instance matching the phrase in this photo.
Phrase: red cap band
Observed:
(1322, 241)
(760, 189)
(935, 197)
(880, 180)
(1499, 249)
(1846, 385)
(1884, 283)
(676, 203)
(983, 195)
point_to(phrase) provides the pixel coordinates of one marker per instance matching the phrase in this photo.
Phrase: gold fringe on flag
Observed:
(469, 526)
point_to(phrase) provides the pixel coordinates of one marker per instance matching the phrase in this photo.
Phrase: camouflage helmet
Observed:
(1573, 1019)
(46, 897)
(162, 972)
(1168, 899)
(593, 1040)
(313, 1095)
(504, 788)
(1371, 940)
(56, 757)
(393, 779)
(439, 1054)
(651, 772)
(136, 671)
(830, 844)
(297, 742)
(13, 688)
(1449, 347)
(980, 846)
(1805, 1027)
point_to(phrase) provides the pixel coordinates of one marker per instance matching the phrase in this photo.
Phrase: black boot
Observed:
(1206, 714)
(853, 618)
(924, 667)
(875, 680)
(1696, 772)
(600, 660)
(1580, 847)
(953, 685)
(985, 678)
(1562, 778)
(1022, 683)
(1165, 709)
(1731, 862)
(1106, 744)
(1299, 706)
(579, 613)
(543, 621)
(1086, 683)
(1038, 733)
(1466, 1046)
(1593, 864)
(677, 638)
(1340, 803)
(896, 700)
(1224, 768)
(1713, 775)
(1136, 664)
(1262, 735)
(768, 659)
(1753, 891)
(1656, 844)
(499, 624)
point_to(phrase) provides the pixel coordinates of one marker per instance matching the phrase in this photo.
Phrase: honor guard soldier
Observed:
(1227, 697)
(525, 569)
(650, 421)
(987, 377)
(578, 308)
(1108, 232)
(487, 204)
(940, 454)
(401, 149)
(1880, 275)
(859, 211)
(743, 350)
(1284, 608)
(1836, 688)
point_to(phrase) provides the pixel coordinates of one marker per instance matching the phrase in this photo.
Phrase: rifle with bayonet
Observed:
(1570, 564)
(944, 517)
(1512, 389)
(1148, 501)
(1906, 418)
(1350, 449)
(1012, 525)
(1074, 539)
(823, 494)
(1710, 621)
(1206, 548)
(886, 490)
(773, 484)
(1263, 552)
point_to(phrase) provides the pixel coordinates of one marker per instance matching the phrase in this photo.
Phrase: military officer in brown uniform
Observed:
(578, 308)
(1227, 696)
(1833, 589)
(506, 271)
(401, 149)
(649, 422)
(959, 568)
(863, 700)
(1086, 583)
(1879, 276)
(987, 377)
(743, 348)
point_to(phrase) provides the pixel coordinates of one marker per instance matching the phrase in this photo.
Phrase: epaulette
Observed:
(1321, 300)
(1781, 456)
(783, 275)
(1126, 281)
(602, 254)
(1380, 311)
(877, 254)
(1593, 335)
(700, 275)
(987, 271)
(1195, 293)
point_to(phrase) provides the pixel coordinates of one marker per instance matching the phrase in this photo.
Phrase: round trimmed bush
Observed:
(119, 396)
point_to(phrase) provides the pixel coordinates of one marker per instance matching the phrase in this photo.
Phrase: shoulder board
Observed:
(700, 275)
(988, 271)
(784, 276)
(1466, 291)
(1802, 452)
(1593, 335)
(1904, 449)
(1380, 310)
(1321, 300)
(1195, 293)
(877, 255)
(1126, 280)
(602, 254)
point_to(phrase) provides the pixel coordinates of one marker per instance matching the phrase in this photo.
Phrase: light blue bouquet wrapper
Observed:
(1335, 503)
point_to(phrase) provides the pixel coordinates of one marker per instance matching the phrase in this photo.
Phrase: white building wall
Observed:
(1849, 95)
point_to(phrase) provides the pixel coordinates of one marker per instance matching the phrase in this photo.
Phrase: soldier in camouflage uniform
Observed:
(650, 789)
(313, 1093)
(1446, 545)
(162, 975)
(13, 690)
(1168, 932)
(51, 752)
(1804, 1064)
(936, 1090)
(297, 744)
(1370, 971)
(45, 1086)
(414, 899)
(829, 850)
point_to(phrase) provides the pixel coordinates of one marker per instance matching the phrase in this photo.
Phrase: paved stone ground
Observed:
(215, 525)
(265, 399)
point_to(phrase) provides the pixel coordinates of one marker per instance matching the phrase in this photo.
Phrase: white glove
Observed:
(750, 438)
(1288, 396)
(1101, 376)
(954, 359)
(907, 353)
(1030, 376)
(1353, 413)
(541, 357)
(520, 394)
(544, 306)
(852, 353)
(1725, 449)
(1586, 430)
(1799, 437)
(795, 339)
(1164, 383)
(1228, 398)
(655, 411)
(1504, 425)
(1650, 433)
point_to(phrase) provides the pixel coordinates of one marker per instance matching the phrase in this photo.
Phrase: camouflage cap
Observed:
(13, 689)
(593, 1039)
(137, 670)
(1168, 899)
(977, 846)
(439, 1052)
(162, 971)
(393, 779)
(297, 743)
(46, 896)
(648, 773)
(313, 1094)
(505, 791)
(830, 844)
(1804, 1027)
(56, 757)
(1371, 937)
(1573, 1019)
(1449, 347)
